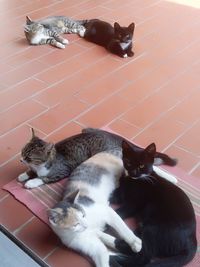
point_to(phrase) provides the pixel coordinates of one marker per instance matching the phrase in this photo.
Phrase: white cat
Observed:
(81, 217)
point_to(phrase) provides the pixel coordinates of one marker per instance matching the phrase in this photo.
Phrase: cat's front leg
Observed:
(129, 51)
(29, 174)
(33, 183)
(123, 230)
(40, 181)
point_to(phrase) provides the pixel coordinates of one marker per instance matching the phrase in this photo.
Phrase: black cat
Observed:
(117, 39)
(167, 224)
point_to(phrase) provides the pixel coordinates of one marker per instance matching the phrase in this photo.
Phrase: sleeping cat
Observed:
(117, 39)
(49, 163)
(80, 218)
(48, 30)
(167, 224)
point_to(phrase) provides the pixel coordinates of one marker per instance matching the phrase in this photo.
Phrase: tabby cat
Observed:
(117, 39)
(167, 224)
(80, 218)
(48, 30)
(48, 162)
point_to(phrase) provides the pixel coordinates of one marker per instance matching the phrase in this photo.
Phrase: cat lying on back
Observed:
(81, 217)
(48, 30)
(117, 39)
(167, 224)
(50, 163)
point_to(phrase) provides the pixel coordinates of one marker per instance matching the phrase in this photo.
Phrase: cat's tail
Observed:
(162, 158)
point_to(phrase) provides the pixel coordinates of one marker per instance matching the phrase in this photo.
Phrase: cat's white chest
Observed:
(41, 170)
(38, 38)
(124, 46)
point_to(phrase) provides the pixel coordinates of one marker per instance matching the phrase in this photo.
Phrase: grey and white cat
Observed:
(81, 217)
(48, 30)
(48, 162)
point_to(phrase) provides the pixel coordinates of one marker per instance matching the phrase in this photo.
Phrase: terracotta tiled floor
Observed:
(153, 96)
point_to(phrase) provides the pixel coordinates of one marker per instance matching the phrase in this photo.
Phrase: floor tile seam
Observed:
(37, 9)
(4, 198)
(20, 82)
(20, 228)
(9, 160)
(196, 166)
(31, 97)
(50, 253)
(79, 71)
(74, 73)
(21, 52)
(180, 135)
(24, 122)
(187, 151)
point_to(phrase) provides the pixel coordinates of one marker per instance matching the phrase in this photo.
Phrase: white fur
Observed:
(41, 170)
(23, 177)
(65, 41)
(165, 175)
(82, 32)
(91, 240)
(33, 183)
(125, 45)
(125, 55)
(38, 37)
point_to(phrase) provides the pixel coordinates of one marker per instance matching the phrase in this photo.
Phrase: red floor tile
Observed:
(64, 257)
(42, 242)
(10, 218)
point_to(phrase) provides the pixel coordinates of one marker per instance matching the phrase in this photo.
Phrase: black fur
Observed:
(167, 221)
(112, 38)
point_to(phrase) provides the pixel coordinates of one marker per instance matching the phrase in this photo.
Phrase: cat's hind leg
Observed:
(123, 230)
(52, 42)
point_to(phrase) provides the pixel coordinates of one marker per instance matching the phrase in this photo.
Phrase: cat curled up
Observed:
(48, 162)
(167, 224)
(80, 218)
(48, 30)
(117, 39)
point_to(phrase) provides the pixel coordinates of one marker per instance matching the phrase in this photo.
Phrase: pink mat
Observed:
(38, 200)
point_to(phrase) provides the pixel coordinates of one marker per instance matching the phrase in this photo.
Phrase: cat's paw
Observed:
(125, 55)
(130, 54)
(82, 32)
(65, 41)
(22, 177)
(33, 183)
(59, 45)
(136, 244)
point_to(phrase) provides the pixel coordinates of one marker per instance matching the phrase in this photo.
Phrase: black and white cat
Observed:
(167, 224)
(117, 39)
(81, 217)
(48, 162)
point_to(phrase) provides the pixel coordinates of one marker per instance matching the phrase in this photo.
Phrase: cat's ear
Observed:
(117, 26)
(131, 27)
(28, 20)
(151, 149)
(49, 148)
(32, 133)
(53, 215)
(73, 198)
(126, 146)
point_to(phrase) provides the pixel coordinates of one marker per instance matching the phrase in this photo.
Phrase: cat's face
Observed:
(138, 162)
(68, 215)
(37, 151)
(124, 34)
(33, 27)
